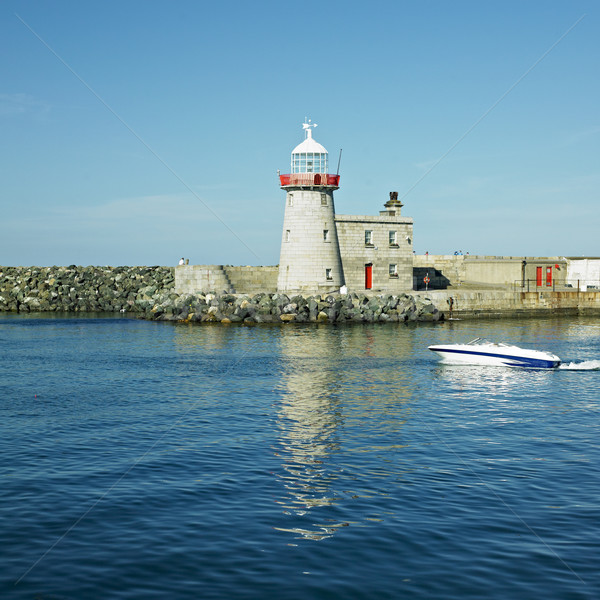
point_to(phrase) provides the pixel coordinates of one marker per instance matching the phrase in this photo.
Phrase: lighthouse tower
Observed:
(310, 259)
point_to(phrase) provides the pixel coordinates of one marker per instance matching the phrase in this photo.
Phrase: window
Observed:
(290, 200)
(368, 237)
(328, 275)
(393, 270)
(325, 235)
(287, 235)
(323, 199)
(393, 238)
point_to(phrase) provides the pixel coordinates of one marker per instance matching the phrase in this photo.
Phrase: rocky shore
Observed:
(83, 289)
(281, 308)
(148, 292)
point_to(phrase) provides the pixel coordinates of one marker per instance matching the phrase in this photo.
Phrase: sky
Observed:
(135, 133)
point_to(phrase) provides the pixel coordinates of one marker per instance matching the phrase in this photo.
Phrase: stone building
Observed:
(377, 250)
(322, 251)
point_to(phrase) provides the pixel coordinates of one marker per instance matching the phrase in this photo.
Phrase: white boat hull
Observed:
(500, 355)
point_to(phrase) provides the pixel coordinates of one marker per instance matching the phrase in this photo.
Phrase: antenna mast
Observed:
(339, 161)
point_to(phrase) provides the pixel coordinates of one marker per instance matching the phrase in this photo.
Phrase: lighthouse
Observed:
(310, 258)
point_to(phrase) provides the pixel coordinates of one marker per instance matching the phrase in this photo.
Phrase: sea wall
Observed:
(76, 289)
(505, 303)
(150, 293)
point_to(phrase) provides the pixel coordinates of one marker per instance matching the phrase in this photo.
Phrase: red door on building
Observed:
(368, 276)
(538, 276)
(548, 276)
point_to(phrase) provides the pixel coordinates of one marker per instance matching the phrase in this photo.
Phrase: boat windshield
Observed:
(483, 341)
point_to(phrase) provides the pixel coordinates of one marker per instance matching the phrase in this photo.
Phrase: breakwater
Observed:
(149, 293)
(84, 289)
(281, 308)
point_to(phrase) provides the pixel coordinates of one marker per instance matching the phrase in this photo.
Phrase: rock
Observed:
(290, 308)
(286, 318)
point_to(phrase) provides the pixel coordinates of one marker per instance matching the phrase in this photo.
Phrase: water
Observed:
(152, 460)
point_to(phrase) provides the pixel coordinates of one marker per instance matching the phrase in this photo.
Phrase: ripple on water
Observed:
(165, 461)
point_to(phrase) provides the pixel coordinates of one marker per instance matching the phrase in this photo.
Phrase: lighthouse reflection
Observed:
(308, 420)
(322, 412)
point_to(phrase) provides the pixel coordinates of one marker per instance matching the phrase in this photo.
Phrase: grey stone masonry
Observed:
(529, 272)
(194, 279)
(252, 280)
(382, 242)
(310, 255)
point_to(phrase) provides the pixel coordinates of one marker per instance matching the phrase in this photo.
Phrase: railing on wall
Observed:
(578, 285)
(323, 179)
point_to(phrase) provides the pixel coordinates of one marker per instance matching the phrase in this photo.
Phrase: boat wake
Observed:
(586, 365)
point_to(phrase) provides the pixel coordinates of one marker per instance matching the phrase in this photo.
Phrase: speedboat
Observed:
(483, 352)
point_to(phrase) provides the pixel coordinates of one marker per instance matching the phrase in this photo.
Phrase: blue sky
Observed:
(134, 133)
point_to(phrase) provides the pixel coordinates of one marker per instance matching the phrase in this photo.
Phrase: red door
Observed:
(368, 276)
(538, 276)
(548, 276)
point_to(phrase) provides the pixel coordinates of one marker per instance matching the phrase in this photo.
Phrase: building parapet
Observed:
(373, 219)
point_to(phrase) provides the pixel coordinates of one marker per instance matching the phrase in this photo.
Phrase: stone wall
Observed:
(504, 303)
(488, 271)
(448, 266)
(111, 289)
(192, 279)
(252, 280)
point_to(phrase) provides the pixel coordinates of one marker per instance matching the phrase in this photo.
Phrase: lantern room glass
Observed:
(309, 162)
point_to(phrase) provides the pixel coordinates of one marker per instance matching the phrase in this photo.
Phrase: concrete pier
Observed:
(148, 289)
(473, 303)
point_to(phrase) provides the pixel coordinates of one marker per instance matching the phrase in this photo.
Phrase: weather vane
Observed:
(307, 125)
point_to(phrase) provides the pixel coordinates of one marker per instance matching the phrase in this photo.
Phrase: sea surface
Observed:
(152, 460)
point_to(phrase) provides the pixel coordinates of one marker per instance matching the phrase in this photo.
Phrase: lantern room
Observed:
(309, 156)
(310, 162)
